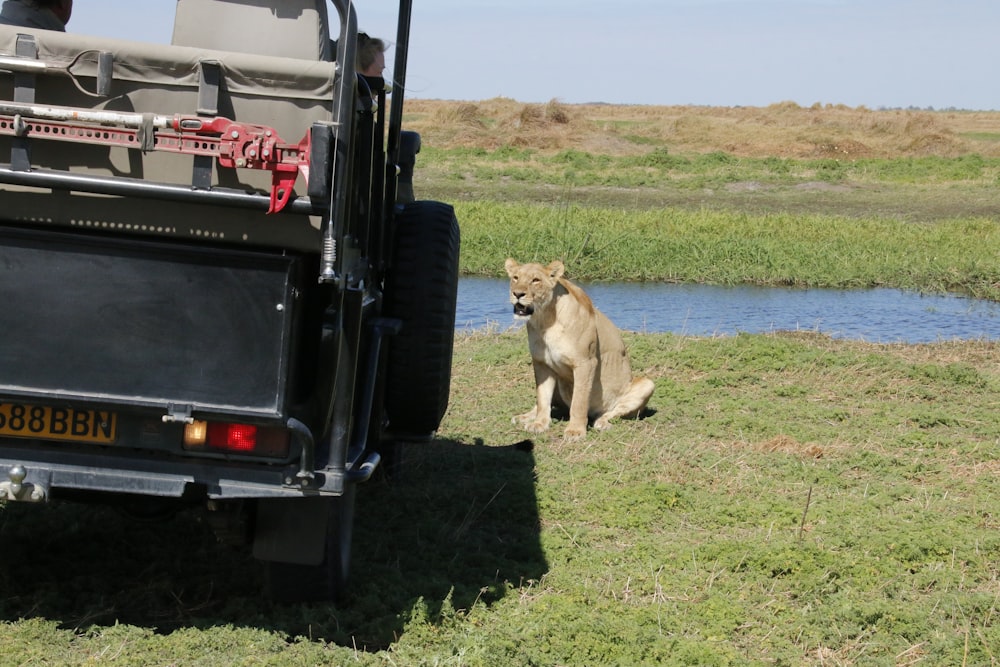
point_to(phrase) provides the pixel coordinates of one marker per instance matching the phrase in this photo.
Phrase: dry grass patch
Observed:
(779, 130)
(982, 354)
(785, 444)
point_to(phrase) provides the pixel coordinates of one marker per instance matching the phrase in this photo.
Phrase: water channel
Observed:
(873, 315)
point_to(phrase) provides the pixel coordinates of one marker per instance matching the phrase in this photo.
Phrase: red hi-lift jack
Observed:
(235, 145)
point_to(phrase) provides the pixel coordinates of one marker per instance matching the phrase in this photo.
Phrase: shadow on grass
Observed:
(459, 524)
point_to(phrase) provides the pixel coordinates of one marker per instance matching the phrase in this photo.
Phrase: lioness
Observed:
(575, 349)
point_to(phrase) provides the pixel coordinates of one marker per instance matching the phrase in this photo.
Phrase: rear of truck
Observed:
(215, 286)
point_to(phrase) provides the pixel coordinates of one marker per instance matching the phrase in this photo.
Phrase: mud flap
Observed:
(297, 536)
(292, 530)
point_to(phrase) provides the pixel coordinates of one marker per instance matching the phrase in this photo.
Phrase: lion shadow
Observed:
(457, 527)
(560, 413)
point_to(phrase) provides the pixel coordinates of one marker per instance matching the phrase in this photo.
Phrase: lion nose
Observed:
(518, 295)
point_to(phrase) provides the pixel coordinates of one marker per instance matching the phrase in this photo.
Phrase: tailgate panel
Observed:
(140, 323)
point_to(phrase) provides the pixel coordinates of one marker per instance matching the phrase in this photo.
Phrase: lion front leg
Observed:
(583, 384)
(538, 418)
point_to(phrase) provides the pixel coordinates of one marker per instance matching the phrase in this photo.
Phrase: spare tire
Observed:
(421, 290)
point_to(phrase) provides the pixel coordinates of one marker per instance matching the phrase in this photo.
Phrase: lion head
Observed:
(532, 285)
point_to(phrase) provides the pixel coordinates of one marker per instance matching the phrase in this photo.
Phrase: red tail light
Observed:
(232, 437)
(237, 439)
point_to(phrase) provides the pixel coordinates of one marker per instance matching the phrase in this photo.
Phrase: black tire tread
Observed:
(421, 290)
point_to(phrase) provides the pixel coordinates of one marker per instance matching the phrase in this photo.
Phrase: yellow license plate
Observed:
(41, 421)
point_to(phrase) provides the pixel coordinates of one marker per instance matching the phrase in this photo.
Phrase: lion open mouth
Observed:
(523, 310)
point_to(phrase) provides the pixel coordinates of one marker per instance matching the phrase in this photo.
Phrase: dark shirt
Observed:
(25, 14)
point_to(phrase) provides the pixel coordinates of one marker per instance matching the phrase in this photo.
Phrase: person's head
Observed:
(63, 9)
(371, 55)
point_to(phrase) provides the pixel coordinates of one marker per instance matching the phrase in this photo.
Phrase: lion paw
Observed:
(526, 418)
(575, 432)
(602, 424)
(536, 426)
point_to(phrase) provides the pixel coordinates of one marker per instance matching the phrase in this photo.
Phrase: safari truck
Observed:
(218, 293)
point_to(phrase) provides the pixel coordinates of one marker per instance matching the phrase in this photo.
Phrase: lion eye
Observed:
(535, 281)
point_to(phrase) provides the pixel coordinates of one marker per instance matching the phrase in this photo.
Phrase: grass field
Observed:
(789, 499)
(728, 248)
(813, 197)
(836, 161)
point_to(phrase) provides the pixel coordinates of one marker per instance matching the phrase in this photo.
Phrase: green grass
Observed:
(660, 167)
(789, 500)
(914, 189)
(720, 247)
(982, 136)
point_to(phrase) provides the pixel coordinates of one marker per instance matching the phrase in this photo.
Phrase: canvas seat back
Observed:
(289, 29)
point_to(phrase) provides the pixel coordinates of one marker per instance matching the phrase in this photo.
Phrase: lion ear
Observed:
(556, 269)
(511, 266)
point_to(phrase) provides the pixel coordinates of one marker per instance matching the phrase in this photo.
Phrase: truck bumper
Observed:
(30, 475)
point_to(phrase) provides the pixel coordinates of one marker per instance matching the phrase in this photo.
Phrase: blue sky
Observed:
(876, 53)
